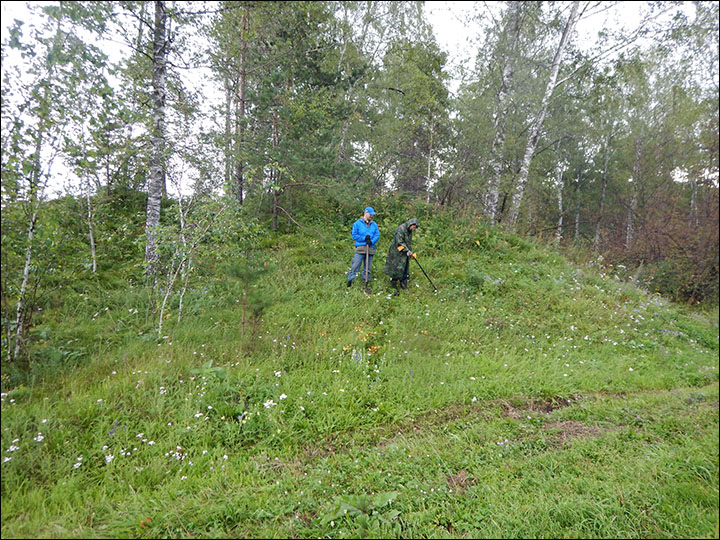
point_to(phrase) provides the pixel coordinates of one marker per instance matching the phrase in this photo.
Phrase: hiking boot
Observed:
(403, 284)
(349, 282)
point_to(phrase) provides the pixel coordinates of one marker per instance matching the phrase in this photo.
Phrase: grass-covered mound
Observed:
(527, 397)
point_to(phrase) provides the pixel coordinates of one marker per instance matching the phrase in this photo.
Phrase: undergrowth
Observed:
(527, 397)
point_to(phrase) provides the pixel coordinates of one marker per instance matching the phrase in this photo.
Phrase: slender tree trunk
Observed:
(275, 210)
(577, 225)
(187, 265)
(632, 208)
(108, 174)
(36, 191)
(427, 182)
(181, 266)
(185, 274)
(157, 160)
(694, 220)
(20, 316)
(559, 188)
(274, 174)
(91, 232)
(240, 117)
(243, 319)
(35, 196)
(343, 130)
(630, 230)
(228, 134)
(534, 133)
(603, 195)
(495, 162)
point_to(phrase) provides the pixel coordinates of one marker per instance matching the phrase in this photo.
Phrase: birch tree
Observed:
(157, 159)
(536, 126)
(505, 53)
(40, 112)
(559, 185)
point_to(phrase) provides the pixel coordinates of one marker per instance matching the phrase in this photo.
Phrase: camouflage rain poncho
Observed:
(397, 261)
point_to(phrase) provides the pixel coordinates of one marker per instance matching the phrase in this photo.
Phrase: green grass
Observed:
(526, 398)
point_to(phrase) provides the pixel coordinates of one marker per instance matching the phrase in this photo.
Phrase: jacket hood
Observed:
(412, 221)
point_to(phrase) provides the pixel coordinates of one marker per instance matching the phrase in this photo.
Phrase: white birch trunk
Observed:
(20, 310)
(157, 160)
(558, 230)
(495, 164)
(35, 195)
(559, 192)
(534, 133)
(35, 198)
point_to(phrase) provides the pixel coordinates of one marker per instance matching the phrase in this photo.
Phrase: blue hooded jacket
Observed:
(361, 229)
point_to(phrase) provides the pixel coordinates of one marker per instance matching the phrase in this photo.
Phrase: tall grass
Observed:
(528, 397)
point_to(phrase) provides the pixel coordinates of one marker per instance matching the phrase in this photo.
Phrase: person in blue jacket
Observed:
(366, 234)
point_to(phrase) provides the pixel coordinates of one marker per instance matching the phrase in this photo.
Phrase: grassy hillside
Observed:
(527, 397)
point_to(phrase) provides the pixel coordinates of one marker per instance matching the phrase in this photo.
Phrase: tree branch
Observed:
(289, 216)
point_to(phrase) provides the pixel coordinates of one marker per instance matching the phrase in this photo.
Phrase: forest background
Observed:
(319, 108)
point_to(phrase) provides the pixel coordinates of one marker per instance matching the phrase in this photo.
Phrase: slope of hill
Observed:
(527, 397)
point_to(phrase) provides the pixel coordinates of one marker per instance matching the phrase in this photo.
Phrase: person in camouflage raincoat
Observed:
(398, 258)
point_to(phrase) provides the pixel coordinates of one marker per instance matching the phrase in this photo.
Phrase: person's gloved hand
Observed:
(367, 240)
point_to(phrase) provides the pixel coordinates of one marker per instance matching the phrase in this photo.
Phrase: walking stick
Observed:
(367, 258)
(428, 277)
(367, 271)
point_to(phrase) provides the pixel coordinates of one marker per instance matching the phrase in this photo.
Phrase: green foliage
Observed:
(521, 366)
(207, 370)
(364, 512)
